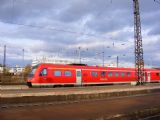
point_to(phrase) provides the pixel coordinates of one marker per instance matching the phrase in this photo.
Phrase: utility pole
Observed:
(139, 62)
(103, 55)
(22, 64)
(79, 54)
(117, 61)
(4, 60)
(23, 58)
(103, 58)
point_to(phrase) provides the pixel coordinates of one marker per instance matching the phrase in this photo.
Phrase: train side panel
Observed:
(105, 76)
(155, 76)
(152, 75)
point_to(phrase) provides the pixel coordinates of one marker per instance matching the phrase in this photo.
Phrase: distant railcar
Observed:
(57, 74)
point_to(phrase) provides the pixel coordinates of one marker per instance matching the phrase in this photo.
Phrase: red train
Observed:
(56, 74)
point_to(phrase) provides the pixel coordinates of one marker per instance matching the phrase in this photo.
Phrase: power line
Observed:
(53, 29)
(42, 27)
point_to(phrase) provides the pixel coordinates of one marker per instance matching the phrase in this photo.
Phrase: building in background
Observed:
(17, 70)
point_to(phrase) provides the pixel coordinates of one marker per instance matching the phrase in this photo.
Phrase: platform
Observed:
(23, 94)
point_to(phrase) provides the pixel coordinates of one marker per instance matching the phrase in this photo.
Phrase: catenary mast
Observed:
(139, 62)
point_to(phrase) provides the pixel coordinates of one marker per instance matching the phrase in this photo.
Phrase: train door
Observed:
(78, 77)
(148, 77)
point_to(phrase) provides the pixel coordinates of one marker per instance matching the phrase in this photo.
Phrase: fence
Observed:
(6, 79)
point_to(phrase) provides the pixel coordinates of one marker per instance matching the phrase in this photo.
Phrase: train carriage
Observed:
(56, 74)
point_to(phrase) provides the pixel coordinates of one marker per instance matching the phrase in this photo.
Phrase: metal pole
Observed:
(23, 57)
(4, 60)
(22, 64)
(103, 58)
(139, 62)
(103, 54)
(117, 61)
(151, 63)
(79, 54)
(4, 63)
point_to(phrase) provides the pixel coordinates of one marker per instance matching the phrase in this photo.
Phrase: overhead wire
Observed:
(54, 29)
(42, 27)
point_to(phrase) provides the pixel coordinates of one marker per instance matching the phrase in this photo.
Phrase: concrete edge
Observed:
(72, 97)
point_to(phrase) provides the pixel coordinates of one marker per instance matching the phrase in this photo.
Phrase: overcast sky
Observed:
(56, 28)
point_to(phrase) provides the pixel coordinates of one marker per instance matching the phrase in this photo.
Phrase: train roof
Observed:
(83, 66)
(77, 64)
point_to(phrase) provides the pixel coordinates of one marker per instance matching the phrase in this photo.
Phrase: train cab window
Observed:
(128, 74)
(158, 74)
(110, 74)
(103, 74)
(57, 73)
(117, 74)
(123, 74)
(67, 73)
(43, 72)
(94, 74)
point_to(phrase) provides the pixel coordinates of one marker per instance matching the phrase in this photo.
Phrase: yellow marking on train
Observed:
(103, 79)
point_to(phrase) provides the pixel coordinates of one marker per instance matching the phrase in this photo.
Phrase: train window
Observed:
(103, 74)
(128, 74)
(32, 72)
(123, 74)
(67, 73)
(157, 74)
(57, 73)
(117, 74)
(78, 73)
(110, 74)
(43, 72)
(94, 74)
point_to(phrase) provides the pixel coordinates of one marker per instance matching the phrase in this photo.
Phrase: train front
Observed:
(31, 76)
